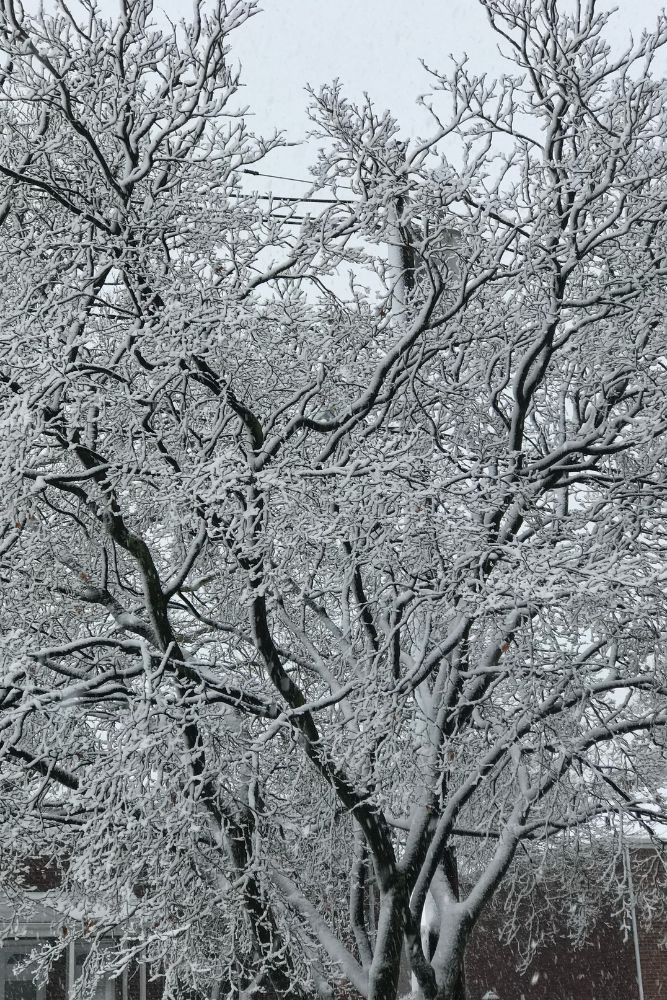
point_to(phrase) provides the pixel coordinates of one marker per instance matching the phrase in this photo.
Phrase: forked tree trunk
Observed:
(445, 951)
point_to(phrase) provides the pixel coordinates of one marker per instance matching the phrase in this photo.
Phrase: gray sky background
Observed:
(374, 46)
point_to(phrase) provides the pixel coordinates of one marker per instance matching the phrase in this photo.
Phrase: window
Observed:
(16, 981)
(107, 989)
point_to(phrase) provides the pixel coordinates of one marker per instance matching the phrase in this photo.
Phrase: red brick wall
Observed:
(40, 874)
(603, 969)
(653, 957)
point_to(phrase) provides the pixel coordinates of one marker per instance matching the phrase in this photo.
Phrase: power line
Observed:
(277, 177)
(299, 201)
(282, 177)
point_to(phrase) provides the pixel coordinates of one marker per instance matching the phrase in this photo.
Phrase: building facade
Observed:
(611, 964)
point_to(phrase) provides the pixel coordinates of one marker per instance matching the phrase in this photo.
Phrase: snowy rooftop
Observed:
(33, 919)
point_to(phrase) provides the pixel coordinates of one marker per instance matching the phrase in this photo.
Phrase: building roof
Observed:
(31, 917)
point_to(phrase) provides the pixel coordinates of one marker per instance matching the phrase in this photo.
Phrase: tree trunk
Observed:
(444, 948)
(385, 967)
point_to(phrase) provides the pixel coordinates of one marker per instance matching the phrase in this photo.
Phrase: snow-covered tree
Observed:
(313, 588)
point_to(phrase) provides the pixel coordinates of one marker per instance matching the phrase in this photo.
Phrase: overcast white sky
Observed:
(374, 46)
(371, 45)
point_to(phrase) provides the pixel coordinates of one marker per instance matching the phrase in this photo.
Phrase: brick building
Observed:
(605, 966)
(24, 930)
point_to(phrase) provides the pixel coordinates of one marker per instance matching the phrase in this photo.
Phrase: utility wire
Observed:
(281, 177)
(315, 201)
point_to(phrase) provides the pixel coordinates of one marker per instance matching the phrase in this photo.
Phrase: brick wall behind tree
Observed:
(653, 957)
(602, 969)
(40, 874)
